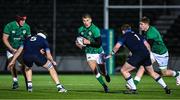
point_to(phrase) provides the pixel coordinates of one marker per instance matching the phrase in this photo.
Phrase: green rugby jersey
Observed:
(158, 45)
(16, 33)
(90, 33)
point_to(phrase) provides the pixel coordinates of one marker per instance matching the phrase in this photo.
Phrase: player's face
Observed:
(21, 22)
(87, 21)
(143, 26)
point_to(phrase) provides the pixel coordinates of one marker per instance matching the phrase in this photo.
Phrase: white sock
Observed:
(131, 83)
(29, 84)
(174, 73)
(161, 82)
(59, 86)
(15, 79)
(98, 75)
(137, 78)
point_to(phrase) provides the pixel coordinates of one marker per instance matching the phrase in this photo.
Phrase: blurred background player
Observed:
(140, 56)
(93, 49)
(158, 49)
(14, 34)
(30, 56)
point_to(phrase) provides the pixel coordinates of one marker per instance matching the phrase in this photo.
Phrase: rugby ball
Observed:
(80, 40)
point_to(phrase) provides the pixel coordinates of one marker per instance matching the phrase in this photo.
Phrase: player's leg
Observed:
(125, 70)
(22, 67)
(141, 70)
(15, 84)
(101, 65)
(163, 62)
(48, 65)
(93, 65)
(158, 78)
(139, 75)
(28, 72)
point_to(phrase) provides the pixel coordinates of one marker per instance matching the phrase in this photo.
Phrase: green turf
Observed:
(85, 87)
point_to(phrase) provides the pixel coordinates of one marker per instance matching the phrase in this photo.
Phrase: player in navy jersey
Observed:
(32, 54)
(140, 56)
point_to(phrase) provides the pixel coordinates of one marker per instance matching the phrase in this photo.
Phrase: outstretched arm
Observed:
(115, 49)
(49, 57)
(16, 55)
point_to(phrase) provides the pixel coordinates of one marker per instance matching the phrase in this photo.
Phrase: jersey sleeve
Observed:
(7, 29)
(46, 45)
(121, 40)
(28, 34)
(152, 34)
(79, 31)
(96, 32)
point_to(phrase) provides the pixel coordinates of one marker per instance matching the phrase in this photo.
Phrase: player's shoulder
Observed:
(11, 23)
(94, 28)
(154, 29)
(26, 25)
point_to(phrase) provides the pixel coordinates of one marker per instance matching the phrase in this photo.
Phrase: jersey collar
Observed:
(42, 35)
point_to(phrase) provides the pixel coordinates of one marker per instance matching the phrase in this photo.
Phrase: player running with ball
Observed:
(91, 43)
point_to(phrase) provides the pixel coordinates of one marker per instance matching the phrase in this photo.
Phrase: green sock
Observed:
(100, 79)
(136, 82)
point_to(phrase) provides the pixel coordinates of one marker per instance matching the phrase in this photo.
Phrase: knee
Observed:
(123, 70)
(164, 72)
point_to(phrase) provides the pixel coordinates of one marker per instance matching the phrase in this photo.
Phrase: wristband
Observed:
(113, 53)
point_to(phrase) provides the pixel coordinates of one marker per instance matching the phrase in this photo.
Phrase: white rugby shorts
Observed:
(97, 57)
(162, 60)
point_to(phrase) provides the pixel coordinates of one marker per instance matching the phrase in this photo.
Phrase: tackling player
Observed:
(140, 56)
(14, 34)
(93, 49)
(32, 54)
(158, 49)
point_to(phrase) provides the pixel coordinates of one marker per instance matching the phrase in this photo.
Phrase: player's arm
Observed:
(115, 49)
(97, 42)
(49, 56)
(6, 42)
(16, 55)
(147, 45)
(48, 53)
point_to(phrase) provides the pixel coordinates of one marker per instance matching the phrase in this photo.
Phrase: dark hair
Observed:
(41, 29)
(125, 27)
(20, 16)
(86, 15)
(145, 20)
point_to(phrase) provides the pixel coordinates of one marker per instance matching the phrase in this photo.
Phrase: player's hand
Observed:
(11, 65)
(109, 56)
(86, 41)
(54, 63)
(42, 51)
(13, 50)
(78, 45)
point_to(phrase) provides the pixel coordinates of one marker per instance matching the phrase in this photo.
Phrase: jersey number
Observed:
(137, 37)
(33, 38)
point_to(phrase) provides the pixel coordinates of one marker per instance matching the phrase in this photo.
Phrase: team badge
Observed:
(82, 33)
(24, 31)
(90, 33)
(13, 31)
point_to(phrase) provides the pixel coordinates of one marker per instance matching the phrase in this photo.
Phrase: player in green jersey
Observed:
(14, 34)
(93, 49)
(159, 52)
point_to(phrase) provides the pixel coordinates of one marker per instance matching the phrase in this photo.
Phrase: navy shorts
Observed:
(137, 60)
(29, 59)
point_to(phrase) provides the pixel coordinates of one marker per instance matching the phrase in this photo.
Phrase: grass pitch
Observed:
(85, 87)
